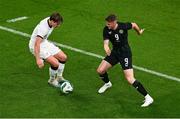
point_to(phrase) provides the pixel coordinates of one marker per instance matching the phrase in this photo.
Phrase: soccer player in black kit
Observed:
(117, 33)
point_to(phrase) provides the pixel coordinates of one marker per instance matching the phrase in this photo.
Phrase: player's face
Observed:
(111, 25)
(55, 24)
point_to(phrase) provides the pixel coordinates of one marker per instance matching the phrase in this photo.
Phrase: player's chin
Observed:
(109, 27)
(56, 26)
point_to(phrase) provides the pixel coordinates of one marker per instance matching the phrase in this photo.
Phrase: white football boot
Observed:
(148, 100)
(105, 87)
(53, 82)
(60, 78)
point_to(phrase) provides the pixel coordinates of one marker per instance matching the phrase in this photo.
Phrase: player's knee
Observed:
(52, 61)
(130, 79)
(55, 64)
(100, 71)
(65, 57)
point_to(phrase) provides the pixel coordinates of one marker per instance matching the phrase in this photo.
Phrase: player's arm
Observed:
(137, 29)
(106, 47)
(106, 41)
(39, 61)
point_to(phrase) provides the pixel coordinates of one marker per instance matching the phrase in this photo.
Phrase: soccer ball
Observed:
(65, 86)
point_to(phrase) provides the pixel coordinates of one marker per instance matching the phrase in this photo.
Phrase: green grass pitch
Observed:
(24, 91)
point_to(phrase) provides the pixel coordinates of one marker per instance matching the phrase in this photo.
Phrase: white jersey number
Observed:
(126, 62)
(117, 37)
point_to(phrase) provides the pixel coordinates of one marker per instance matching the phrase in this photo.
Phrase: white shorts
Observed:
(46, 49)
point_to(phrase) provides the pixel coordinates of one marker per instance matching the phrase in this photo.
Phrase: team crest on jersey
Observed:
(121, 31)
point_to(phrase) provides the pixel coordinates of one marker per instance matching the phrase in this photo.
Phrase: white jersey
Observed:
(43, 30)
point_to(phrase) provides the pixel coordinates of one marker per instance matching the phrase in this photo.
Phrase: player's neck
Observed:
(48, 21)
(115, 27)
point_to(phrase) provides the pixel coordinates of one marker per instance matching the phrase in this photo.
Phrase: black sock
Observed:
(104, 77)
(140, 87)
(54, 68)
(62, 62)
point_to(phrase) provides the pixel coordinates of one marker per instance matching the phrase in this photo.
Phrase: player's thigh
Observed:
(61, 56)
(54, 50)
(129, 75)
(112, 59)
(103, 67)
(126, 62)
(52, 61)
(107, 63)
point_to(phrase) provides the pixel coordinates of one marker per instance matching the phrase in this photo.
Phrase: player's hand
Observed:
(141, 31)
(40, 63)
(108, 52)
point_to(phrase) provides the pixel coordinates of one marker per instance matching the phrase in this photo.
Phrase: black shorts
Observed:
(124, 60)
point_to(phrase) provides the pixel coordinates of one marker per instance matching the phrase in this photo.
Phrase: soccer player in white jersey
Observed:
(43, 50)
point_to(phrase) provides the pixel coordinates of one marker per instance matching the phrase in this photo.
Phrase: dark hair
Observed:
(111, 18)
(56, 17)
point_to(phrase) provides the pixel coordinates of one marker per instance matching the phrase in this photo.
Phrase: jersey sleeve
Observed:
(105, 34)
(127, 26)
(42, 32)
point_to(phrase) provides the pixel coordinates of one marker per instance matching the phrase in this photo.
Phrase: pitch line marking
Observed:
(16, 19)
(93, 54)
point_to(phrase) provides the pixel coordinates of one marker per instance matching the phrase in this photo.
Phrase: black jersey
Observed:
(119, 37)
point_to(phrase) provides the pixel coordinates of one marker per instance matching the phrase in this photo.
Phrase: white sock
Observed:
(60, 69)
(52, 73)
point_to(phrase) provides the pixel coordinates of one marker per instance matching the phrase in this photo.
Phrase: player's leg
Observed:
(129, 75)
(53, 69)
(126, 64)
(47, 52)
(107, 63)
(62, 58)
(102, 71)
